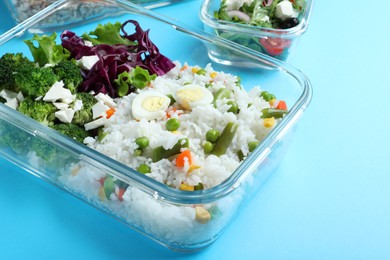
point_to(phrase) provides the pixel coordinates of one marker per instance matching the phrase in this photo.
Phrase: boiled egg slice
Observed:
(192, 95)
(150, 105)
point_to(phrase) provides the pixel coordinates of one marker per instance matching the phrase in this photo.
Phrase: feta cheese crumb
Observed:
(65, 115)
(285, 10)
(56, 92)
(106, 99)
(78, 105)
(87, 62)
(60, 105)
(12, 103)
(95, 124)
(99, 110)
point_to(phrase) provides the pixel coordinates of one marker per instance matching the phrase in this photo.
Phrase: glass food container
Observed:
(278, 43)
(170, 216)
(76, 12)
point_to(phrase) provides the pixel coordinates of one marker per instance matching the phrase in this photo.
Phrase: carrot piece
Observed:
(184, 67)
(282, 105)
(180, 159)
(101, 180)
(110, 112)
(121, 191)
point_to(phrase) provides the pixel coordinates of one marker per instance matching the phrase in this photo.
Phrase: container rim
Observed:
(134, 178)
(258, 31)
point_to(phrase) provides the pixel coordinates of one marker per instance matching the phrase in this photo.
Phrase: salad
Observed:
(276, 14)
(265, 18)
(184, 125)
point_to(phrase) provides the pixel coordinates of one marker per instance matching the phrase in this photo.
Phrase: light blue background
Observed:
(329, 199)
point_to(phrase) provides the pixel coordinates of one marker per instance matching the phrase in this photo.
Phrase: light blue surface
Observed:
(329, 199)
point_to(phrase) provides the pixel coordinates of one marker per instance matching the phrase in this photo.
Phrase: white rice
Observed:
(168, 222)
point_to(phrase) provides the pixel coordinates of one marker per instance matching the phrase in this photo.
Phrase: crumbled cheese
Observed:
(95, 124)
(99, 110)
(58, 92)
(87, 62)
(8, 94)
(78, 105)
(12, 103)
(65, 115)
(285, 10)
(106, 99)
(60, 105)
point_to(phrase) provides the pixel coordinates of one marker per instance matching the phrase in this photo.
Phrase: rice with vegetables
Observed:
(186, 126)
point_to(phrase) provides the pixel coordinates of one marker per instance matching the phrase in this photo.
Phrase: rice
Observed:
(77, 12)
(163, 220)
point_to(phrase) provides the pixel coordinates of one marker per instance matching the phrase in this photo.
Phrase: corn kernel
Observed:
(193, 167)
(213, 74)
(195, 70)
(75, 171)
(272, 102)
(102, 194)
(202, 215)
(269, 122)
(186, 187)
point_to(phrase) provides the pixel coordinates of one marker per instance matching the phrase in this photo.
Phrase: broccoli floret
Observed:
(69, 73)
(10, 63)
(35, 82)
(43, 112)
(73, 131)
(13, 138)
(84, 115)
(44, 150)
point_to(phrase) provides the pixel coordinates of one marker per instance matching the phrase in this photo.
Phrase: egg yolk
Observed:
(153, 104)
(189, 95)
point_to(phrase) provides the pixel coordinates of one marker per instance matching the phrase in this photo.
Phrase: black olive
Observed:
(288, 23)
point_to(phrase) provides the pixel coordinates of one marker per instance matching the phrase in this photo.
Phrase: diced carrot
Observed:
(282, 105)
(101, 180)
(121, 191)
(110, 112)
(184, 67)
(180, 159)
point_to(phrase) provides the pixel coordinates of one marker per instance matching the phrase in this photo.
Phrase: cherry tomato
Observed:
(275, 46)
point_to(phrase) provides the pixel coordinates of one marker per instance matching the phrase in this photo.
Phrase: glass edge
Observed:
(149, 185)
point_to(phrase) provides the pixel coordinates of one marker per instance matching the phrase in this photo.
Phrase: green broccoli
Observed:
(34, 82)
(73, 131)
(84, 115)
(69, 73)
(44, 150)
(9, 64)
(54, 157)
(41, 111)
(13, 138)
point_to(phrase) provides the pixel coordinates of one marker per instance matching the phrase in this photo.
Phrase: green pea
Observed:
(143, 168)
(172, 124)
(233, 107)
(212, 135)
(137, 152)
(199, 186)
(208, 147)
(267, 96)
(252, 146)
(142, 142)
